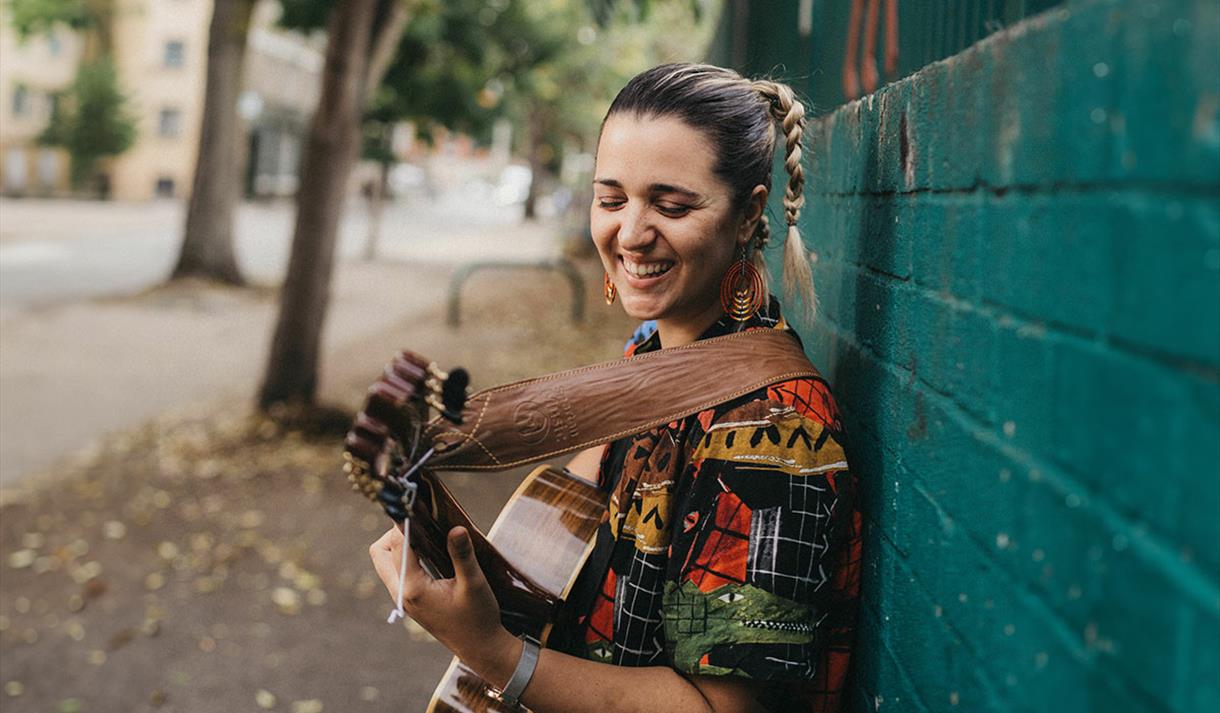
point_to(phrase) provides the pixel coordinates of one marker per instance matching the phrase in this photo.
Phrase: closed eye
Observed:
(673, 210)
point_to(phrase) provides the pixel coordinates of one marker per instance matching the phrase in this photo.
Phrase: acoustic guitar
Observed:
(530, 556)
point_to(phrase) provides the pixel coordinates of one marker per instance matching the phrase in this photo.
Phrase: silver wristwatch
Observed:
(511, 693)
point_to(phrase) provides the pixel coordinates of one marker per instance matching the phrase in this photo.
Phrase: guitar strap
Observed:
(536, 419)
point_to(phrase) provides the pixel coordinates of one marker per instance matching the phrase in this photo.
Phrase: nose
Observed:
(635, 231)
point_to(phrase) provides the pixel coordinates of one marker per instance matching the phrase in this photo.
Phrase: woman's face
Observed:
(664, 224)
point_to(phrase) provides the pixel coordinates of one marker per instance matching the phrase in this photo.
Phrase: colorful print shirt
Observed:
(733, 543)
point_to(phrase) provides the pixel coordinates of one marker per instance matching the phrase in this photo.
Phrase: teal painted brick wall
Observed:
(1019, 272)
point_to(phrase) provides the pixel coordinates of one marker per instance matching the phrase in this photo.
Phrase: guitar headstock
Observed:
(382, 443)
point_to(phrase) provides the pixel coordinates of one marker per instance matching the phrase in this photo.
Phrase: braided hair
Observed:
(742, 117)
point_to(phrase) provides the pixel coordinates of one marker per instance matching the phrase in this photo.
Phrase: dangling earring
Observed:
(609, 290)
(741, 290)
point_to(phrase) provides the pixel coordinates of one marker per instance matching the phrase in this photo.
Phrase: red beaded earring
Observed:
(741, 290)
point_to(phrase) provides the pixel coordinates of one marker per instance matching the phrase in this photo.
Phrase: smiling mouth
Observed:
(646, 270)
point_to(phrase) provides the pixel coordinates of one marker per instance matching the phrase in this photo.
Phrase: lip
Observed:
(644, 282)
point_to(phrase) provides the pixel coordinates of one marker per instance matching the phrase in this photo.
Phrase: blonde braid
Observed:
(790, 114)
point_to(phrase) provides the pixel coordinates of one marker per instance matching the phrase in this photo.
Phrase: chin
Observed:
(642, 310)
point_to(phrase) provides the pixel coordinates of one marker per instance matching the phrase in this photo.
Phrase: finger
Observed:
(414, 567)
(386, 541)
(465, 565)
(386, 566)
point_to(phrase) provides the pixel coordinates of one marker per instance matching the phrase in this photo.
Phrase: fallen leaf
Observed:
(114, 530)
(154, 581)
(121, 638)
(22, 559)
(286, 599)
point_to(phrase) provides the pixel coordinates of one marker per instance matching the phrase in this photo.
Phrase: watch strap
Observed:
(511, 693)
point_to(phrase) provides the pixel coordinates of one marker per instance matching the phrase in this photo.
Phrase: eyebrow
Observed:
(653, 188)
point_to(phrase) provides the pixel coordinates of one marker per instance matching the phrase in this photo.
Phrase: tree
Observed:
(93, 122)
(94, 19)
(207, 240)
(361, 38)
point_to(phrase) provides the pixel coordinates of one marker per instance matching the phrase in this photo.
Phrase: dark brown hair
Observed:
(741, 117)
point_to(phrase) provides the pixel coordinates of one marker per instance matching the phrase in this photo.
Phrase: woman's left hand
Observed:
(462, 613)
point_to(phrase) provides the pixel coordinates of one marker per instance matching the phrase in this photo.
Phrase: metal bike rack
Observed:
(560, 265)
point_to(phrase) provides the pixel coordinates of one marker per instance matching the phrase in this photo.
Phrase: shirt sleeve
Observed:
(753, 586)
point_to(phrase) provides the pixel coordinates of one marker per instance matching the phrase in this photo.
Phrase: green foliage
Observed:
(93, 121)
(463, 64)
(36, 17)
(305, 15)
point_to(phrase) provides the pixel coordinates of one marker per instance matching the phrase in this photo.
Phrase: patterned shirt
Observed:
(733, 542)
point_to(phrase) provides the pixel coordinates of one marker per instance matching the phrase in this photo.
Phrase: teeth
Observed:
(647, 269)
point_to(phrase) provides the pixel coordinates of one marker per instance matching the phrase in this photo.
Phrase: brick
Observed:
(881, 682)
(1171, 117)
(884, 247)
(1145, 435)
(1031, 657)
(1166, 275)
(1198, 680)
(1049, 257)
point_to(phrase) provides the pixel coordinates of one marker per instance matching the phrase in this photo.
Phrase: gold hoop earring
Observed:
(609, 290)
(741, 290)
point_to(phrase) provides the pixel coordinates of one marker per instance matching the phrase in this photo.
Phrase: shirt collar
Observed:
(769, 317)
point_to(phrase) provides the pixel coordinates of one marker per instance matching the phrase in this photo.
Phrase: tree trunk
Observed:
(334, 139)
(377, 210)
(207, 243)
(537, 133)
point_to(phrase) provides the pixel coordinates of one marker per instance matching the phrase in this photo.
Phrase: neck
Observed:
(679, 333)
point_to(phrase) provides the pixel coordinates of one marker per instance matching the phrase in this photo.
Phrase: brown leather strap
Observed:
(536, 419)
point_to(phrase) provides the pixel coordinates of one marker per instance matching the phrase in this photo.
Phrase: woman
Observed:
(731, 544)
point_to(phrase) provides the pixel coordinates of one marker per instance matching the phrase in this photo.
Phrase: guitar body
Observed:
(544, 533)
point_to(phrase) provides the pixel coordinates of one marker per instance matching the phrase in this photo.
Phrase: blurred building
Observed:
(33, 72)
(161, 57)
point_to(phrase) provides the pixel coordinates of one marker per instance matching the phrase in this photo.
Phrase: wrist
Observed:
(496, 658)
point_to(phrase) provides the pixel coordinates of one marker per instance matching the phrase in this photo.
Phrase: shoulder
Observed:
(791, 428)
(806, 398)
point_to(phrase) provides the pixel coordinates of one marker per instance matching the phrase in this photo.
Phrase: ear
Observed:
(751, 214)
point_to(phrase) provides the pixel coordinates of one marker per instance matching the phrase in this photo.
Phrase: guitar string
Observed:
(409, 500)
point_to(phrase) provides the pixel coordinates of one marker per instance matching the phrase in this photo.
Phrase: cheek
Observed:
(602, 231)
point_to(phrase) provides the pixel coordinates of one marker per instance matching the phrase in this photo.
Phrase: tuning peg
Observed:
(447, 392)
(453, 391)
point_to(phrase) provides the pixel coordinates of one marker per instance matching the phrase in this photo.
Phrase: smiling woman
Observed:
(725, 572)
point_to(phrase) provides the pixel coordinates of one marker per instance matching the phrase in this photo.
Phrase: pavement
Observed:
(91, 343)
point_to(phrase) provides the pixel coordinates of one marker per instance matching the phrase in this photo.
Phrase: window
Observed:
(54, 100)
(48, 168)
(21, 100)
(175, 53)
(169, 124)
(165, 187)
